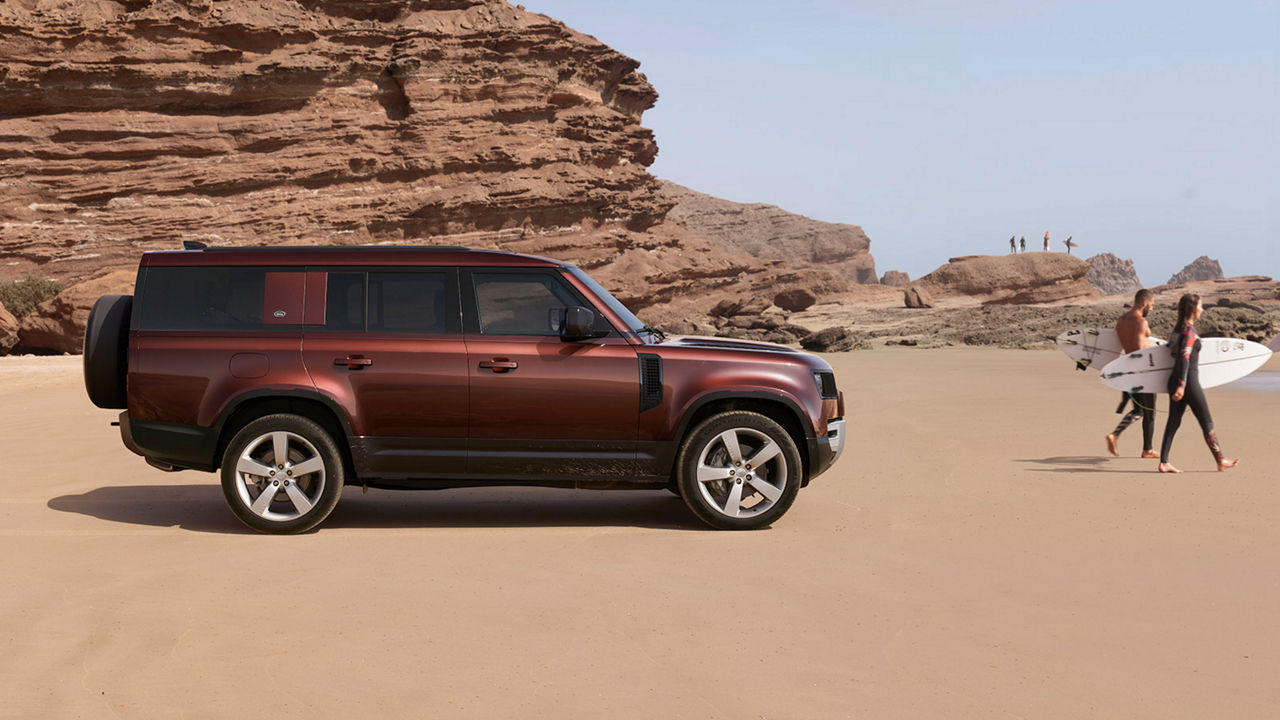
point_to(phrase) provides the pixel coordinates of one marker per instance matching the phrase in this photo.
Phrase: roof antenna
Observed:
(193, 245)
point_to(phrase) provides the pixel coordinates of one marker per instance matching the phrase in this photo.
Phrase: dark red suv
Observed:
(297, 370)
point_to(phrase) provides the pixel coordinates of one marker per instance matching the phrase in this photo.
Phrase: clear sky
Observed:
(1145, 129)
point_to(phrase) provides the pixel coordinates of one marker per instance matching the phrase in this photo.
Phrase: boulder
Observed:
(834, 339)
(57, 325)
(917, 297)
(896, 278)
(1202, 268)
(795, 299)
(1113, 276)
(8, 331)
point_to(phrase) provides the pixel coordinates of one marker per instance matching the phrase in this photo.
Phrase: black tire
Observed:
(280, 512)
(705, 450)
(106, 351)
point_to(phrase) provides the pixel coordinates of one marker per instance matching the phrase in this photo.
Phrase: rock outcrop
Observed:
(771, 233)
(57, 325)
(1202, 268)
(1113, 276)
(8, 331)
(895, 278)
(1014, 279)
(131, 126)
(834, 339)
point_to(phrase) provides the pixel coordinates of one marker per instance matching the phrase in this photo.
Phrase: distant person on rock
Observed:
(1066, 242)
(1135, 334)
(1024, 239)
(1046, 241)
(1184, 386)
(1013, 247)
(1024, 243)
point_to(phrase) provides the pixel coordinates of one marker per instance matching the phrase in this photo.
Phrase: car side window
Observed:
(387, 301)
(407, 302)
(521, 303)
(344, 301)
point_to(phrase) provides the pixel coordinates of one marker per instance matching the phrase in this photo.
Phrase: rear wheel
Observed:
(282, 474)
(739, 470)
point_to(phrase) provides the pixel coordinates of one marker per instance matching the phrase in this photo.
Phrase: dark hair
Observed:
(1142, 296)
(1186, 305)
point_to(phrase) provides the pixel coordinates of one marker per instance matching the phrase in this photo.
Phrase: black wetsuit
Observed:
(1186, 375)
(1144, 406)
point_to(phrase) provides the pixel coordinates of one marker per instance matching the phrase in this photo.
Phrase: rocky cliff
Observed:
(1013, 279)
(1113, 276)
(131, 126)
(1202, 268)
(768, 232)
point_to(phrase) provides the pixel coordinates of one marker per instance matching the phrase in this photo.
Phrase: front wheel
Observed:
(739, 470)
(282, 474)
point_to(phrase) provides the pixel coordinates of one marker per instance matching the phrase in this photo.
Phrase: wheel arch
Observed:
(249, 406)
(779, 408)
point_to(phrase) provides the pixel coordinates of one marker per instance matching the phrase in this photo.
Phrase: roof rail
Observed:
(193, 245)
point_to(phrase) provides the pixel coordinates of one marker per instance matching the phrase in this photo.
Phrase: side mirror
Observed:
(579, 324)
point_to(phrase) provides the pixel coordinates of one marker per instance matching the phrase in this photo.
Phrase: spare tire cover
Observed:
(106, 351)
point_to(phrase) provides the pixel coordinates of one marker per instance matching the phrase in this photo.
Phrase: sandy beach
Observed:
(975, 554)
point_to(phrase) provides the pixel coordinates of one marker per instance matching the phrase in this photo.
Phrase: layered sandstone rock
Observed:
(133, 126)
(1202, 268)
(57, 325)
(1113, 276)
(8, 331)
(771, 233)
(1014, 279)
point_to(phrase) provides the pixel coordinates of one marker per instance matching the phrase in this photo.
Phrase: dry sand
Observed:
(974, 555)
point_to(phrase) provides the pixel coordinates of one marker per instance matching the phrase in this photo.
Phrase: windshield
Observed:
(633, 323)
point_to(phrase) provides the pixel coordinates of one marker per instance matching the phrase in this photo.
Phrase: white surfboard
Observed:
(1093, 347)
(1221, 361)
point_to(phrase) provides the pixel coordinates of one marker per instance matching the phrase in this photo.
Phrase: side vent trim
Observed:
(650, 381)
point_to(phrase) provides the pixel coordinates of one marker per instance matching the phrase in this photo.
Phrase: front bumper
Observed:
(825, 451)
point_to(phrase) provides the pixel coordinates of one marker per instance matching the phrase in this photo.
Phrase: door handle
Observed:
(353, 363)
(498, 366)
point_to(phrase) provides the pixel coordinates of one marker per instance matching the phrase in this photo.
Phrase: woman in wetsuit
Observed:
(1184, 385)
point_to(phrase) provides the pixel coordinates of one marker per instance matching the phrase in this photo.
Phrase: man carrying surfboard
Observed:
(1135, 334)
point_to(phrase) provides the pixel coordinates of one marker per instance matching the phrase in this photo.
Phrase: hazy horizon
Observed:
(943, 128)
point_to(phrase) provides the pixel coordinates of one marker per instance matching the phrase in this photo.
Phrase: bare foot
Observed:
(1150, 454)
(1111, 445)
(1167, 468)
(1226, 463)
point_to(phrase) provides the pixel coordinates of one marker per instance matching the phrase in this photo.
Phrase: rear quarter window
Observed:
(219, 298)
